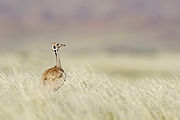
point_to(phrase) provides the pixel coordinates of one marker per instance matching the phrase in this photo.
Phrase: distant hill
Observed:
(159, 18)
(37, 13)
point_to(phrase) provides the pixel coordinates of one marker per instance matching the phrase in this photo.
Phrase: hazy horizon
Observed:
(114, 26)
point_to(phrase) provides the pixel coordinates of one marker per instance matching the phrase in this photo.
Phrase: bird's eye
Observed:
(54, 47)
(57, 44)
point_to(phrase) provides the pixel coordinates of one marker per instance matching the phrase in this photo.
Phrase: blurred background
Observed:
(117, 37)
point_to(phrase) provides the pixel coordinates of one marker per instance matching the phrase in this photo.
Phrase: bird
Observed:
(54, 77)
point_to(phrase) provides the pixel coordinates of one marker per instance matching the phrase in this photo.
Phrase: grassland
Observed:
(125, 87)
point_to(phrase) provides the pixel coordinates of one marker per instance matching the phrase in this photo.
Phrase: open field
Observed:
(122, 59)
(106, 88)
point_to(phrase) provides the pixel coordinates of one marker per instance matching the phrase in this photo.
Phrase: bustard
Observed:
(55, 76)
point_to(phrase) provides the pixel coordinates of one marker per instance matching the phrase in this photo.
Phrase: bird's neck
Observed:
(58, 62)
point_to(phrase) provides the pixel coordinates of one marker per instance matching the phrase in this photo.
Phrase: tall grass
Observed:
(87, 95)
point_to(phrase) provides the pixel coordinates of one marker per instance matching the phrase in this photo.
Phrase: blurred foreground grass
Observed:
(103, 87)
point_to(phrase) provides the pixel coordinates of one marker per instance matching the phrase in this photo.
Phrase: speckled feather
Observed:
(53, 77)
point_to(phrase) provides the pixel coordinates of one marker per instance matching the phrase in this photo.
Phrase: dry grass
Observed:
(88, 95)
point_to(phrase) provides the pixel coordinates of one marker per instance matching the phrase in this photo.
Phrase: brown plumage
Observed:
(55, 76)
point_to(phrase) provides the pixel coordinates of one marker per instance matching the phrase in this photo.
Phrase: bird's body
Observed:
(55, 76)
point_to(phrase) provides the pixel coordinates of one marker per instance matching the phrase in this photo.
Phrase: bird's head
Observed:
(55, 46)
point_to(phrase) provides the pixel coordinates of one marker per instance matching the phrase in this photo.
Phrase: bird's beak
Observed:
(62, 45)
